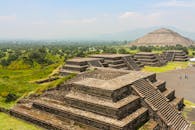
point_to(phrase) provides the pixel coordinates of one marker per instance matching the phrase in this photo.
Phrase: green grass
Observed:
(18, 81)
(10, 123)
(170, 66)
(189, 106)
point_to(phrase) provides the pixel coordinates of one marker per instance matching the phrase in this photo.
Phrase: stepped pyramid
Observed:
(162, 37)
(175, 55)
(106, 99)
(150, 59)
(120, 61)
(78, 65)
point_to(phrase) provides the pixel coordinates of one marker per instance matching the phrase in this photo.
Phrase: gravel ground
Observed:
(185, 87)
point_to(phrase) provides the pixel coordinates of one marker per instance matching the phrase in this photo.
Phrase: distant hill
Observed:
(162, 37)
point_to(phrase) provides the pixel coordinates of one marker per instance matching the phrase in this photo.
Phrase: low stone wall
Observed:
(38, 122)
(104, 110)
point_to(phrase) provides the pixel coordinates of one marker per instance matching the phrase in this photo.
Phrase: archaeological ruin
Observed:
(120, 61)
(162, 37)
(105, 99)
(79, 65)
(150, 59)
(175, 55)
(117, 61)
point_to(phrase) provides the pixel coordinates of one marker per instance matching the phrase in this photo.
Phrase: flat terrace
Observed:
(115, 83)
(110, 55)
(81, 59)
(145, 53)
(179, 51)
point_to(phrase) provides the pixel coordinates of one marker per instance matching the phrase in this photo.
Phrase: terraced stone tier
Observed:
(132, 121)
(81, 61)
(175, 55)
(110, 56)
(151, 125)
(75, 67)
(67, 72)
(119, 61)
(160, 84)
(117, 110)
(113, 89)
(169, 94)
(118, 66)
(115, 62)
(99, 88)
(148, 57)
(178, 103)
(41, 118)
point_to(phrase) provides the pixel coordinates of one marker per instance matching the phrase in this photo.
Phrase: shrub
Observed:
(11, 97)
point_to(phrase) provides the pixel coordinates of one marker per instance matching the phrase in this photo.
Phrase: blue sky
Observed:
(67, 19)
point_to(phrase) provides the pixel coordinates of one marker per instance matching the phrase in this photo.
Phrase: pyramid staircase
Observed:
(157, 101)
(175, 55)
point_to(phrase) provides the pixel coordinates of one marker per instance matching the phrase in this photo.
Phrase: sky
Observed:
(69, 19)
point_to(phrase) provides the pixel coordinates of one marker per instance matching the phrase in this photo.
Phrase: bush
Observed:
(145, 48)
(11, 97)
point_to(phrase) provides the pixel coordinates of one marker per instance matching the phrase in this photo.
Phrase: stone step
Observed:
(168, 113)
(180, 59)
(114, 62)
(40, 118)
(141, 65)
(75, 67)
(67, 72)
(145, 56)
(117, 110)
(80, 63)
(132, 121)
(160, 84)
(150, 125)
(124, 68)
(147, 60)
(177, 103)
(150, 63)
(117, 66)
(96, 87)
(169, 94)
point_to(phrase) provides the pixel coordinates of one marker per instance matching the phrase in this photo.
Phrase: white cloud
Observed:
(128, 14)
(176, 3)
(7, 18)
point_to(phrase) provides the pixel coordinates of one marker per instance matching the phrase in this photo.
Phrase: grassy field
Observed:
(10, 123)
(18, 82)
(170, 66)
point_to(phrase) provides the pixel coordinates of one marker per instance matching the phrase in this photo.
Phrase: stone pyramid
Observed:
(162, 37)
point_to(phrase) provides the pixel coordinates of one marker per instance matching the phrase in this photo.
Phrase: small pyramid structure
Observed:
(175, 55)
(106, 99)
(150, 59)
(162, 37)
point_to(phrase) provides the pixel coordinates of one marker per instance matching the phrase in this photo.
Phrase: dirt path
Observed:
(185, 87)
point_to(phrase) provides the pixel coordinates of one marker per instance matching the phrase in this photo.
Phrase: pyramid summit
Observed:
(162, 37)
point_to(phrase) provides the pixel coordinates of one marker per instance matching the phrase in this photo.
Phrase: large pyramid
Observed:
(162, 37)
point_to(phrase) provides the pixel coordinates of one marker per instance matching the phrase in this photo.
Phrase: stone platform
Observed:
(79, 65)
(106, 99)
(120, 61)
(175, 55)
(150, 59)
